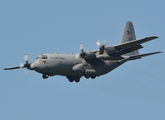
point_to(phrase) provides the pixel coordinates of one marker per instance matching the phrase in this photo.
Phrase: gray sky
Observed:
(135, 90)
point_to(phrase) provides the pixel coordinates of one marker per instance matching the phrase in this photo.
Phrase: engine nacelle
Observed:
(108, 57)
(89, 55)
(110, 49)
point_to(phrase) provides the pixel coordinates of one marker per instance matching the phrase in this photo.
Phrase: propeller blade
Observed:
(81, 47)
(82, 54)
(98, 43)
(105, 42)
(27, 73)
(26, 57)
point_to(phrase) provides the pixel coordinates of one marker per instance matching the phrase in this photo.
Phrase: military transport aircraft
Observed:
(90, 64)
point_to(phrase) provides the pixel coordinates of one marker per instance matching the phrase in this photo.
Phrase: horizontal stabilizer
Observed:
(134, 57)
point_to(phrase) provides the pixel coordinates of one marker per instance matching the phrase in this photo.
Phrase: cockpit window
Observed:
(44, 57)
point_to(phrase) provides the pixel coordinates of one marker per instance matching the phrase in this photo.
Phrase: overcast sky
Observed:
(133, 91)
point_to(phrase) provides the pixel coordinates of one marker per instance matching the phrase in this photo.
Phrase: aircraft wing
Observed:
(127, 47)
(135, 42)
(115, 52)
(134, 57)
(18, 67)
(11, 68)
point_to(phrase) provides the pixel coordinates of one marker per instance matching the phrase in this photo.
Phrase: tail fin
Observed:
(129, 35)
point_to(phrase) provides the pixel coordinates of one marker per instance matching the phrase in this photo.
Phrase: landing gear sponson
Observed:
(72, 78)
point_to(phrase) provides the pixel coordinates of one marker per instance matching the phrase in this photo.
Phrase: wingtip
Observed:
(157, 52)
(160, 51)
(156, 37)
(6, 69)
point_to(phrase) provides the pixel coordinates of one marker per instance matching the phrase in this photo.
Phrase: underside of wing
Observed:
(127, 50)
(134, 57)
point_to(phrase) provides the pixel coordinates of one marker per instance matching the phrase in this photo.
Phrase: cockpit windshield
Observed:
(42, 57)
(39, 57)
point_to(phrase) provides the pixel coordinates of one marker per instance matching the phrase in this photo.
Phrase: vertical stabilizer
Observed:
(129, 35)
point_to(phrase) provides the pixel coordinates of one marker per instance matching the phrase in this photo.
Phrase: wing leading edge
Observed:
(12, 68)
(132, 45)
(135, 42)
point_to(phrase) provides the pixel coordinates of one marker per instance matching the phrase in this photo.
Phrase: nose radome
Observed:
(32, 66)
(35, 66)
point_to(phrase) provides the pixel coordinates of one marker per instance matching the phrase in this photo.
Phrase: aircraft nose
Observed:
(33, 66)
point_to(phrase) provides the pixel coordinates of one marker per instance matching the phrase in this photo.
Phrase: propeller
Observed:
(27, 73)
(81, 47)
(85, 54)
(101, 47)
(27, 64)
(26, 58)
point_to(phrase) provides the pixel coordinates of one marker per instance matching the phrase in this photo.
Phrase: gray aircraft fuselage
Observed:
(70, 65)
